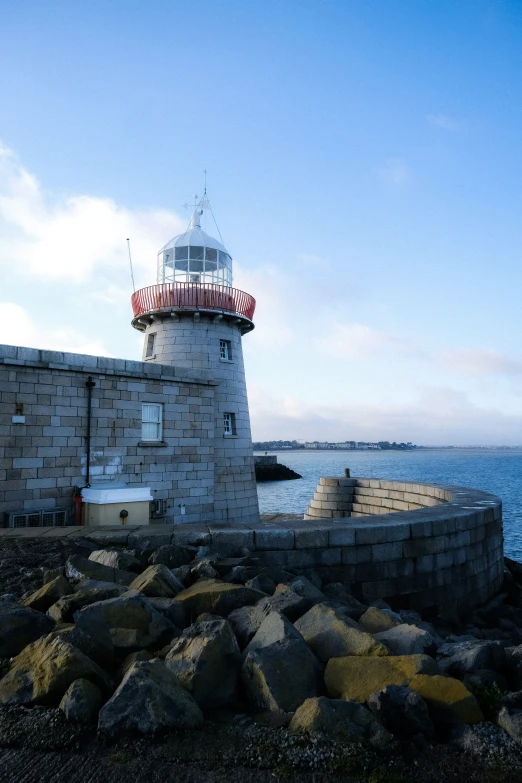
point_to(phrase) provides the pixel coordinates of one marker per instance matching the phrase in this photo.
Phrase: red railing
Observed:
(166, 296)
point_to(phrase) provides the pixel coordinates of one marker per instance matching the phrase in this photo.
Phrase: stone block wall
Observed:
(43, 458)
(350, 497)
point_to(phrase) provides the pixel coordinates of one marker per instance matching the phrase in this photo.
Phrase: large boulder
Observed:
(44, 670)
(78, 568)
(274, 628)
(82, 702)
(88, 592)
(149, 701)
(408, 640)
(92, 638)
(355, 678)
(336, 591)
(246, 620)
(346, 720)
(402, 711)
(217, 597)
(48, 594)
(465, 657)
(157, 582)
(510, 719)
(448, 699)
(331, 634)
(172, 609)
(132, 621)
(376, 620)
(173, 556)
(19, 626)
(206, 661)
(302, 586)
(116, 558)
(281, 676)
(262, 582)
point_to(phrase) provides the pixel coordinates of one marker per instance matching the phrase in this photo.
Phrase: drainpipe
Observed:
(90, 384)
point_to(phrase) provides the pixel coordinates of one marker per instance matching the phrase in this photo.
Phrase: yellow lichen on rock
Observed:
(448, 699)
(355, 678)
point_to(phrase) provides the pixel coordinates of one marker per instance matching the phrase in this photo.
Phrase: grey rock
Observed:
(302, 586)
(464, 657)
(204, 569)
(173, 610)
(64, 609)
(217, 597)
(93, 639)
(206, 660)
(116, 558)
(48, 594)
(78, 568)
(262, 582)
(247, 619)
(402, 711)
(173, 556)
(82, 702)
(19, 626)
(346, 720)
(510, 719)
(44, 670)
(281, 676)
(131, 659)
(331, 634)
(376, 620)
(148, 701)
(157, 581)
(336, 591)
(183, 573)
(408, 640)
(131, 619)
(274, 628)
(48, 574)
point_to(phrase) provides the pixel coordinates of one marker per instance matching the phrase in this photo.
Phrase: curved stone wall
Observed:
(443, 552)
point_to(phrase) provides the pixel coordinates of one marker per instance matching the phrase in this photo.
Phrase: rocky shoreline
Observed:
(179, 663)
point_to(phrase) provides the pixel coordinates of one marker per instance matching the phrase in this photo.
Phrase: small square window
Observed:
(151, 422)
(151, 344)
(225, 350)
(229, 424)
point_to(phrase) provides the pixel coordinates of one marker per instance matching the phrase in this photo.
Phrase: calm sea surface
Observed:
(494, 471)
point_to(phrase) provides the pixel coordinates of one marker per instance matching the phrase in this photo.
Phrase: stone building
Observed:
(176, 422)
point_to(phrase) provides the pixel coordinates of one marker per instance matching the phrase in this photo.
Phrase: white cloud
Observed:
(445, 121)
(358, 341)
(18, 328)
(472, 361)
(395, 171)
(70, 238)
(439, 416)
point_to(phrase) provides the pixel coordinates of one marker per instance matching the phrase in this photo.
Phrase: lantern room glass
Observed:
(194, 264)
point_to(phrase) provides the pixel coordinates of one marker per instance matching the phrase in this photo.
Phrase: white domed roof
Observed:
(194, 236)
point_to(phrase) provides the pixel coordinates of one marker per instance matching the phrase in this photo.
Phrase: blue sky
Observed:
(364, 164)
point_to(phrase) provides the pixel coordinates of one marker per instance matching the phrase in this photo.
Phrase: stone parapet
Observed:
(447, 556)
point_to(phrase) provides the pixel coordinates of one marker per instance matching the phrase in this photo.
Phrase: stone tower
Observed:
(194, 318)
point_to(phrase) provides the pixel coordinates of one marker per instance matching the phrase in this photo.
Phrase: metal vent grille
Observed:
(55, 517)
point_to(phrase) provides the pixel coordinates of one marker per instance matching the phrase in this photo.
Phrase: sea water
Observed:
(491, 470)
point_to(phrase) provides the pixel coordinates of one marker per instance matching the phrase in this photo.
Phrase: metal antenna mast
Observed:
(130, 262)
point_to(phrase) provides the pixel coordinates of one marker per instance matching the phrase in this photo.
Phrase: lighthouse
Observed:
(194, 318)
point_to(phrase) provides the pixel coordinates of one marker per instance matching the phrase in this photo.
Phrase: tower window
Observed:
(151, 422)
(229, 424)
(225, 350)
(151, 344)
